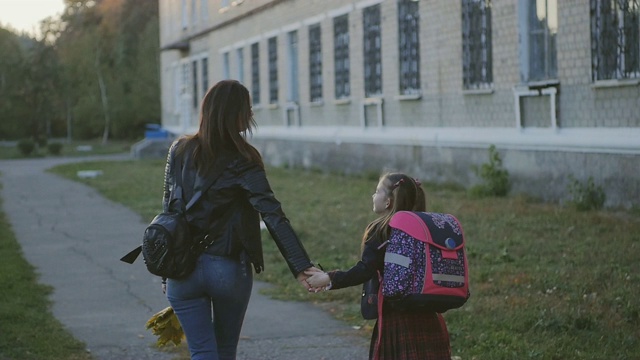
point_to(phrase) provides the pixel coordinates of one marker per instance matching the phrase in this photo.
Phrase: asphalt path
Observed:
(74, 238)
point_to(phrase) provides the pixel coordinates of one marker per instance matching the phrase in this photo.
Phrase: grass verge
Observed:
(28, 330)
(547, 282)
(74, 148)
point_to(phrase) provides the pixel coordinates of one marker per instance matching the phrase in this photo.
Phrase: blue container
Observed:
(155, 131)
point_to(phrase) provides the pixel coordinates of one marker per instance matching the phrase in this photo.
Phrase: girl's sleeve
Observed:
(372, 260)
(261, 197)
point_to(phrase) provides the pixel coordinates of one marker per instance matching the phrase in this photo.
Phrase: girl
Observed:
(405, 334)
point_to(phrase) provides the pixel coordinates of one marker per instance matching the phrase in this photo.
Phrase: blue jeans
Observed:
(211, 304)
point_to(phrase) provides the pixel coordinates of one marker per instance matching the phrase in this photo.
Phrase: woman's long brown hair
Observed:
(225, 120)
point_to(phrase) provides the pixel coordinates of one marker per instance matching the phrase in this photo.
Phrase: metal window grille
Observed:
(615, 41)
(372, 39)
(341, 56)
(409, 46)
(205, 75)
(273, 70)
(477, 61)
(194, 84)
(315, 63)
(542, 30)
(255, 73)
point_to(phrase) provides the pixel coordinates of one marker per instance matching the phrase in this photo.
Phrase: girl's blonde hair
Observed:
(405, 193)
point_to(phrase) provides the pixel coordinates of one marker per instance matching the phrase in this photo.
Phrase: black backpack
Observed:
(168, 247)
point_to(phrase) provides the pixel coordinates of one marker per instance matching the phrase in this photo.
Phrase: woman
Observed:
(212, 301)
(405, 334)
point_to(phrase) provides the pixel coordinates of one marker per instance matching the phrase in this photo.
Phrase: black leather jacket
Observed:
(229, 211)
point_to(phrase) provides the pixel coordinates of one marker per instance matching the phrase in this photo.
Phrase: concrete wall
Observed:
(541, 174)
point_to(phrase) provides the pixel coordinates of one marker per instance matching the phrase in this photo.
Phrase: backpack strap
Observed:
(376, 348)
(411, 223)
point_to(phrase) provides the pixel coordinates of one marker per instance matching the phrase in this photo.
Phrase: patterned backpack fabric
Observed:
(425, 262)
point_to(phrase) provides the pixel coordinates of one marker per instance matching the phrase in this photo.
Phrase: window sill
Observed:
(257, 106)
(272, 106)
(408, 97)
(486, 91)
(374, 99)
(542, 83)
(316, 103)
(344, 101)
(600, 84)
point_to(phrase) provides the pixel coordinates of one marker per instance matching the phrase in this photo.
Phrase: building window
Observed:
(372, 40)
(615, 39)
(178, 84)
(539, 26)
(409, 46)
(205, 75)
(194, 12)
(477, 63)
(240, 61)
(183, 11)
(185, 76)
(226, 71)
(341, 56)
(195, 82)
(293, 93)
(315, 63)
(204, 11)
(255, 73)
(273, 70)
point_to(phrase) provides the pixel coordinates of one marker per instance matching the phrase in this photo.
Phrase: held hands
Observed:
(303, 276)
(318, 281)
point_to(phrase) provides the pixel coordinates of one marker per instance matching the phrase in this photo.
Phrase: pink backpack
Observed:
(425, 264)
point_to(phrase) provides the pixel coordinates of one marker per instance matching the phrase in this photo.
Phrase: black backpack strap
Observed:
(132, 255)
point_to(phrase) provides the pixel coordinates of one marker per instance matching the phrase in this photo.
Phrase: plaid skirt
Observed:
(408, 335)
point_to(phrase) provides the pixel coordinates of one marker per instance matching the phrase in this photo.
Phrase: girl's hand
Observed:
(318, 280)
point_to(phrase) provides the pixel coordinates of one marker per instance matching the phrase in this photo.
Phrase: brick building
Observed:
(422, 86)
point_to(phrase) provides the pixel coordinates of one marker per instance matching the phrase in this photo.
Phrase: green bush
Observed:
(495, 178)
(42, 141)
(26, 146)
(586, 196)
(54, 148)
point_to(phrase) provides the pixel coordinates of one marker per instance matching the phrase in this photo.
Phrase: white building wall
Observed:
(595, 122)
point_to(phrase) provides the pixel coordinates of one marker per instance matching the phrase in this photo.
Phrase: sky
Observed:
(25, 15)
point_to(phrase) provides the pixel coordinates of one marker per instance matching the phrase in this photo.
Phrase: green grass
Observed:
(547, 282)
(28, 330)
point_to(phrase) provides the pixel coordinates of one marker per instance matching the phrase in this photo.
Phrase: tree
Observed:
(120, 86)
(11, 68)
(95, 69)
